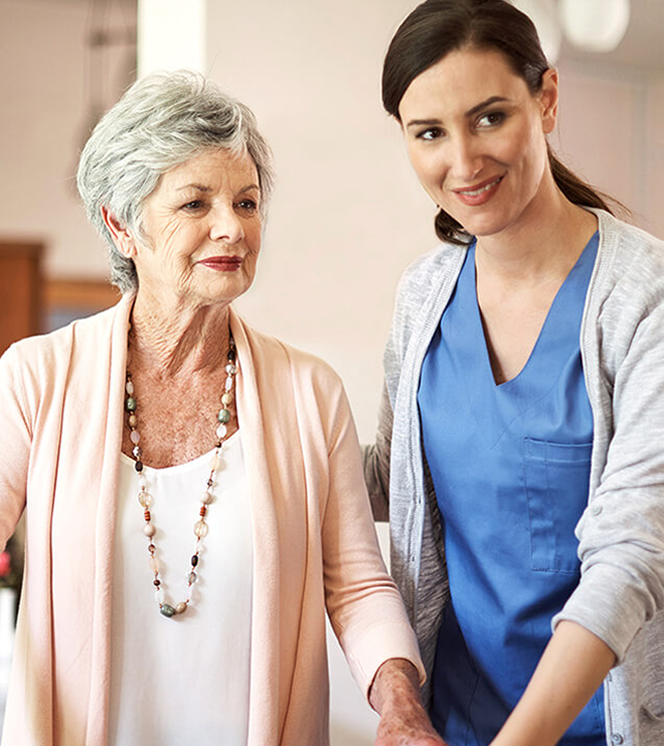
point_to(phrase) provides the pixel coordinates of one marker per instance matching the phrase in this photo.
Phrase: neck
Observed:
(180, 341)
(546, 242)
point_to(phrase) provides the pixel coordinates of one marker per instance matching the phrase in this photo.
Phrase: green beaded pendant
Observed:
(167, 610)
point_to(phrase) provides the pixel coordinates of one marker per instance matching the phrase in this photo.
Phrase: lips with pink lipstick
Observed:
(222, 263)
(480, 193)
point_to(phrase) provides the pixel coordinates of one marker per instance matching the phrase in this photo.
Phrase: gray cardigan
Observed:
(620, 597)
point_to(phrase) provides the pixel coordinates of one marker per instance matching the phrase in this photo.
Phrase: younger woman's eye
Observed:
(491, 119)
(430, 133)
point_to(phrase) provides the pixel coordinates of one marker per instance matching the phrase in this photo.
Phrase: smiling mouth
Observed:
(481, 189)
(480, 194)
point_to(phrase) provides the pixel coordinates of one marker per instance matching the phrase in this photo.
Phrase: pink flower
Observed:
(5, 564)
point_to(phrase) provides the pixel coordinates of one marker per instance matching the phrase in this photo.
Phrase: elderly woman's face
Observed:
(204, 229)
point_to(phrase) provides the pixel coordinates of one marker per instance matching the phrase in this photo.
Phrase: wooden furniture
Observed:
(31, 304)
(20, 291)
(79, 297)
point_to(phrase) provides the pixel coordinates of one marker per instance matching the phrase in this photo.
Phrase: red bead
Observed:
(203, 511)
(146, 515)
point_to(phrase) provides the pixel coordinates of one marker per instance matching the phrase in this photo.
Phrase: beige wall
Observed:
(42, 94)
(609, 132)
(653, 197)
(44, 121)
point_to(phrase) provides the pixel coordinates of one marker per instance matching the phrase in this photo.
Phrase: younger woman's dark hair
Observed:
(437, 27)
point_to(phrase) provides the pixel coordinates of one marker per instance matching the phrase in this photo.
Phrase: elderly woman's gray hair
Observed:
(162, 121)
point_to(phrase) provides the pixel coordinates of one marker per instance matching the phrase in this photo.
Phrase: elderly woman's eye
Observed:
(195, 204)
(248, 205)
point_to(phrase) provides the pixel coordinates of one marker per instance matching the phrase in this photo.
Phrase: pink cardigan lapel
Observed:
(263, 717)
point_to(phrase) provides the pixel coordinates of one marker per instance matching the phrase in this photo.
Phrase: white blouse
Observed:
(182, 680)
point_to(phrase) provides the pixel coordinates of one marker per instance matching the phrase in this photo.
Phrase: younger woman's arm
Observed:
(574, 664)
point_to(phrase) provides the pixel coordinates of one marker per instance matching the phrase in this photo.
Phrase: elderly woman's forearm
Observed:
(395, 695)
(396, 677)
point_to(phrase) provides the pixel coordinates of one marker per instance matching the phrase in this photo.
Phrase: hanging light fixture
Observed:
(594, 25)
(545, 17)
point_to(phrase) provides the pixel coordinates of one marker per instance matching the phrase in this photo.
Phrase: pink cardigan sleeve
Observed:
(363, 603)
(15, 439)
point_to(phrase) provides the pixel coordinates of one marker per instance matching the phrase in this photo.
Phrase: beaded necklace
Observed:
(145, 499)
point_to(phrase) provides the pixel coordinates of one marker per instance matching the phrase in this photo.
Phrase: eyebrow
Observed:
(470, 113)
(199, 187)
(205, 188)
(484, 104)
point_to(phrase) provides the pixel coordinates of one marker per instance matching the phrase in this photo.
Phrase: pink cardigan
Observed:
(61, 422)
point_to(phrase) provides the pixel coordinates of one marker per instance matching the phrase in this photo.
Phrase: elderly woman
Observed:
(193, 489)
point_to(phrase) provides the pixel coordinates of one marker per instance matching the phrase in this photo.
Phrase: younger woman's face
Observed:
(476, 137)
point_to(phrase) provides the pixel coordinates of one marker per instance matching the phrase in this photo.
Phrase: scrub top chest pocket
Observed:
(556, 479)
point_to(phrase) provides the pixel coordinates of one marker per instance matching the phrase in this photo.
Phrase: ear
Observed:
(122, 238)
(548, 99)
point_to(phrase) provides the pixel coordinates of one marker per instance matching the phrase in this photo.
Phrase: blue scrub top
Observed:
(510, 464)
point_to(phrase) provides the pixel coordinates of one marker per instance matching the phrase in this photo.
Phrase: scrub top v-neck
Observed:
(510, 464)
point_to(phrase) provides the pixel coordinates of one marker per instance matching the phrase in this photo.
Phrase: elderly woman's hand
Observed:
(395, 695)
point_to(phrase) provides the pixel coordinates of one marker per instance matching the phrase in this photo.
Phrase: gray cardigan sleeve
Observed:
(377, 462)
(621, 533)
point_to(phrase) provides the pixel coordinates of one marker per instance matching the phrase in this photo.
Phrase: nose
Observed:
(466, 159)
(225, 225)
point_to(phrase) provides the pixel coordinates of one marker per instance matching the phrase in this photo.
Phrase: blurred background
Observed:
(347, 216)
